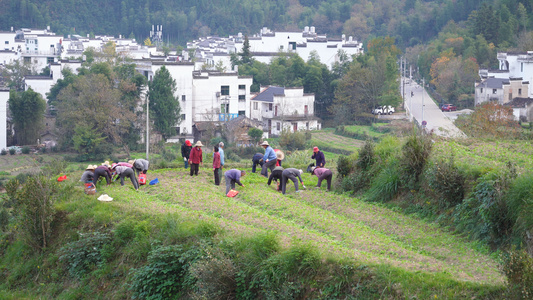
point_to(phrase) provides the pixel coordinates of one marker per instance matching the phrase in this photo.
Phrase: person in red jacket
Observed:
(195, 158)
(216, 165)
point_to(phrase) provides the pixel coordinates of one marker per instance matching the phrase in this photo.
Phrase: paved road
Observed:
(421, 107)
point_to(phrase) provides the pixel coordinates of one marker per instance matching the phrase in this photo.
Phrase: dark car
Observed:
(448, 107)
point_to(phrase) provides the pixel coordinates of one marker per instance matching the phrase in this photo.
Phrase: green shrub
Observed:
(520, 201)
(467, 218)
(131, 230)
(214, 275)
(415, 153)
(344, 166)
(367, 157)
(446, 179)
(355, 181)
(386, 184)
(3, 152)
(293, 140)
(12, 151)
(387, 147)
(517, 265)
(25, 150)
(86, 254)
(55, 167)
(166, 275)
(35, 208)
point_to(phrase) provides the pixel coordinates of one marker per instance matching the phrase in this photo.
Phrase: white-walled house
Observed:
(284, 108)
(502, 90)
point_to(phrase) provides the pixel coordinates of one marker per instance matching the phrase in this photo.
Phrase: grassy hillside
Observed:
(398, 256)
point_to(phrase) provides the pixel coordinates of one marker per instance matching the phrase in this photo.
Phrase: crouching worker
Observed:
(233, 176)
(322, 173)
(276, 176)
(141, 166)
(102, 171)
(291, 173)
(257, 160)
(124, 171)
(88, 175)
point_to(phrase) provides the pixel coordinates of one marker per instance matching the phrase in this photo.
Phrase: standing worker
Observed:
(233, 176)
(185, 152)
(319, 157)
(222, 156)
(216, 164)
(257, 160)
(291, 173)
(195, 159)
(322, 173)
(124, 171)
(140, 166)
(269, 159)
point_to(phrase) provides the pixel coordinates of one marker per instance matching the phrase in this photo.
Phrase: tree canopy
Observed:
(27, 109)
(165, 110)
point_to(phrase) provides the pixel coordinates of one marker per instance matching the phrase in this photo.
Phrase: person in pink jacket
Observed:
(322, 173)
(216, 165)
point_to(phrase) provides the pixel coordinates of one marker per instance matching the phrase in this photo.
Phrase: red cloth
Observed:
(196, 155)
(216, 160)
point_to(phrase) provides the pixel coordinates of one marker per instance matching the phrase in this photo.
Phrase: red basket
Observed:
(142, 179)
(232, 193)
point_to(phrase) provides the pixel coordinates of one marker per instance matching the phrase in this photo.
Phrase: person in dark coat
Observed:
(276, 176)
(257, 160)
(186, 152)
(195, 159)
(88, 175)
(319, 157)
(322, 173)
(292, 174)
(140, 166)
(233, 176)
(216, 165)
(102, 171)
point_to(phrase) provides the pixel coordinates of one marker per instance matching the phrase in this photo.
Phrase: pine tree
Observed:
(165, 110)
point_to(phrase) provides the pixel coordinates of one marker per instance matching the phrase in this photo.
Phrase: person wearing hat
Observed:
(195, 159)
(123, 171)
(276, 176)
(319, 157)
(322, 173)
(233, 176)
(269, 159)
(291, 173)
(216, 165)
(88, 175)
(186, 152)
(257, 159)
(280, 156)
(140, 165)
(102, 171)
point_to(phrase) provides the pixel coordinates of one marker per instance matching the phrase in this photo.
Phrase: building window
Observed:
(482, 90)
(494, 91)
(306, 110)
(183, 117)
(7, 43)
(521, 67)
(49, 60)
(292, 45)
(519, 91)
(27, 60)
(177, 130)
(278, 126)
(183, 97)
(270, 106)
(242, 98)
(242, 112)
(224, 90)
(255, 105)
(242, 87)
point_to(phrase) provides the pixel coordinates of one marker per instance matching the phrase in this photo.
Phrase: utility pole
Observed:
(147, 128)
(423, 90)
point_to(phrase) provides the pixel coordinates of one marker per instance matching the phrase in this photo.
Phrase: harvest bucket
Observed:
(142, 179)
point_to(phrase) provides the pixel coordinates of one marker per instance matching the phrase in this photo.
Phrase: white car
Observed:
(383, 110)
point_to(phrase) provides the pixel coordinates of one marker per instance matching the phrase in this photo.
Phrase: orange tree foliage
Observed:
(490, 120)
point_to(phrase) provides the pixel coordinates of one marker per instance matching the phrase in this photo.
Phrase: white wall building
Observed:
(284, 108)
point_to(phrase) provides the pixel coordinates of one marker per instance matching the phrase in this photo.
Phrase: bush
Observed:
(344, 166)
(517, 266)
(415, 153)
(214, 275)
(293, 140)
(35, 207)
(12, 151)
(367, 158)
(55, 167)
(386, 184)
(25, 150)
(446, 179)
(85, 254)
(166, 275)
(519, 198)
(3, 152)
(355, 181)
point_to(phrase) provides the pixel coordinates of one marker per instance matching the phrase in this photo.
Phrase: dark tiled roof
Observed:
(493, 83)
(268, 94)
(519, 102)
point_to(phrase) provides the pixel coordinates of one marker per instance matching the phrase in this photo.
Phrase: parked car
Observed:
(383, 110)
(448, 107)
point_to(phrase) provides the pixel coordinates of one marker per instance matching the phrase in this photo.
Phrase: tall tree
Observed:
(165, 110)
(27, 109)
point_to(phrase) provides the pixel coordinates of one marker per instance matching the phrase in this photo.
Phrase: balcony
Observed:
(226, 117)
